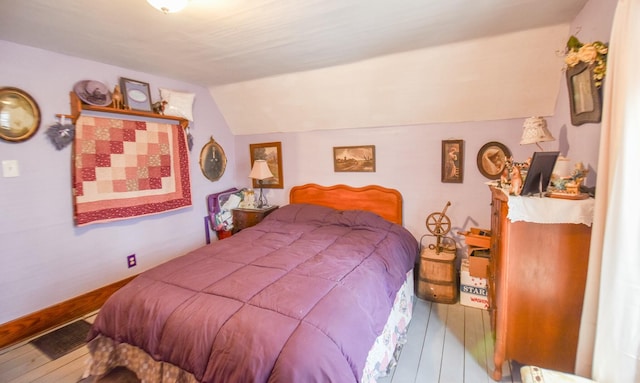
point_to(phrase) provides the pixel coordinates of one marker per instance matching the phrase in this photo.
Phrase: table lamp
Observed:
(535, 131)
(260, 172)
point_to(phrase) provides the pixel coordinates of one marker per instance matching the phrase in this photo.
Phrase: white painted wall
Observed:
(44, 258)
(408, 158)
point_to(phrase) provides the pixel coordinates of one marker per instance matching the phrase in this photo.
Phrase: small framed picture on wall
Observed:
(354, 158)
(452, 161)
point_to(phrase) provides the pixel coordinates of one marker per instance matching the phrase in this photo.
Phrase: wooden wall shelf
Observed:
(77, 106)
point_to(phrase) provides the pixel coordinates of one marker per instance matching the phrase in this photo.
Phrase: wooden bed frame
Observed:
(385, 202)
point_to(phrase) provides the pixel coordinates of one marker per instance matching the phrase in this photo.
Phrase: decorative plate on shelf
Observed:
(93, 92)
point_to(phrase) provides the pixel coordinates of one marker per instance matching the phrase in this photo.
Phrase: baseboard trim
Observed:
(40, 321)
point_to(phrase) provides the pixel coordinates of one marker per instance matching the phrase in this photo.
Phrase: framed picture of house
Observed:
(354, 158)
(272, 153)
(584, 97)
(452, 161)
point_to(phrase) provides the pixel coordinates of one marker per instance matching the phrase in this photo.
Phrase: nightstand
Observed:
(244, 218)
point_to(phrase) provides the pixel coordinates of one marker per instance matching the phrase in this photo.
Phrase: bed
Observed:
(310, 294)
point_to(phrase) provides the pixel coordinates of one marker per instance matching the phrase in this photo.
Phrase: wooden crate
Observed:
(477, 237)
(437, 279)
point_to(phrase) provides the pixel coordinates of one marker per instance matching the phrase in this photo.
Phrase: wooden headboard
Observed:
(385, 202)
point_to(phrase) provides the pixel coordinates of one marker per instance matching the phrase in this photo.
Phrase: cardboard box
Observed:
(478, 262)
(477, 237)
(473, 291)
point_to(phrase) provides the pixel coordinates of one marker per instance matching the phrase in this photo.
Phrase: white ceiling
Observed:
(214, 42)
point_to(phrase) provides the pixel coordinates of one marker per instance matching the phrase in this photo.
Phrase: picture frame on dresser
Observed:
(272, 153)
(452, 169)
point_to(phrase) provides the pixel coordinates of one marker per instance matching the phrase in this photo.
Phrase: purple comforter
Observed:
(300, 297)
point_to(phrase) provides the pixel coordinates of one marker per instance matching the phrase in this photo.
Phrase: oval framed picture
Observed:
(19, 115)
(213, 161)
(492, 159)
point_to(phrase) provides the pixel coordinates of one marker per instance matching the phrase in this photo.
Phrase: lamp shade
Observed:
(260, 170)
(168, 6)
(535, 130)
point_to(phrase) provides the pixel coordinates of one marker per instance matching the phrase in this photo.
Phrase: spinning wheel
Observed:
(439, 225)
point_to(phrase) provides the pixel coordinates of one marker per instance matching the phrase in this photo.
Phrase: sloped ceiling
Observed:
(250, 49)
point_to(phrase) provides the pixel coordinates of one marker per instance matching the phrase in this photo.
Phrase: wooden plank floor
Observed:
(446, 344)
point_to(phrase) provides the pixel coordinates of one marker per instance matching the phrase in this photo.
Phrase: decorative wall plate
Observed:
(213, 161)
(19, 115)
(492, 158)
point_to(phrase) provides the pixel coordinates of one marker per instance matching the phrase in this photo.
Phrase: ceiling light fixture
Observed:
(168, 6)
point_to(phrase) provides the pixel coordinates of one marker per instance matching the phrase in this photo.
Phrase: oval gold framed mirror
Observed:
(19, 115)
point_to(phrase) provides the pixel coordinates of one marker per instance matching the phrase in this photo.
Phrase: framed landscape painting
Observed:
(272, 153)
(354, 158)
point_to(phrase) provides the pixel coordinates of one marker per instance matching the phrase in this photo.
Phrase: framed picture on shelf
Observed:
(354, 158)
(137, 95)
(452, 161)
(272, 153)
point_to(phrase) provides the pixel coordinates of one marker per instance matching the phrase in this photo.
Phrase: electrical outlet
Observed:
(131, 260)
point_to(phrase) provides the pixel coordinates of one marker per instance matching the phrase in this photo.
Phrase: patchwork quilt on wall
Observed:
(124, 169)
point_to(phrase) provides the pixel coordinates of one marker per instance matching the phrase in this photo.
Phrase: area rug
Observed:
(63, 340)
(124, 169)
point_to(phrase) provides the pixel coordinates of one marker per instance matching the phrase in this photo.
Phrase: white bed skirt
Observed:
(382, 357)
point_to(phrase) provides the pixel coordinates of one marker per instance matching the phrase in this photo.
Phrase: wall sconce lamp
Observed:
(168, 6)
(260, 171)
(535, 131)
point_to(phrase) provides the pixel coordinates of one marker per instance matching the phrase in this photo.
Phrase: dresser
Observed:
(537, 276)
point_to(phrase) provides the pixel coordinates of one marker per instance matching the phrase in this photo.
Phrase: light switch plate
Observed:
(10, 168)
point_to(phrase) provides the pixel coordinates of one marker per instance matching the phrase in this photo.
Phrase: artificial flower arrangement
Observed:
(594, 53)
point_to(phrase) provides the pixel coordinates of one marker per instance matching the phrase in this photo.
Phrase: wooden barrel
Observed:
(437, 278)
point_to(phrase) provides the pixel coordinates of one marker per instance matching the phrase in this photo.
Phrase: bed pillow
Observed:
(302, 213)
(179, 104)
